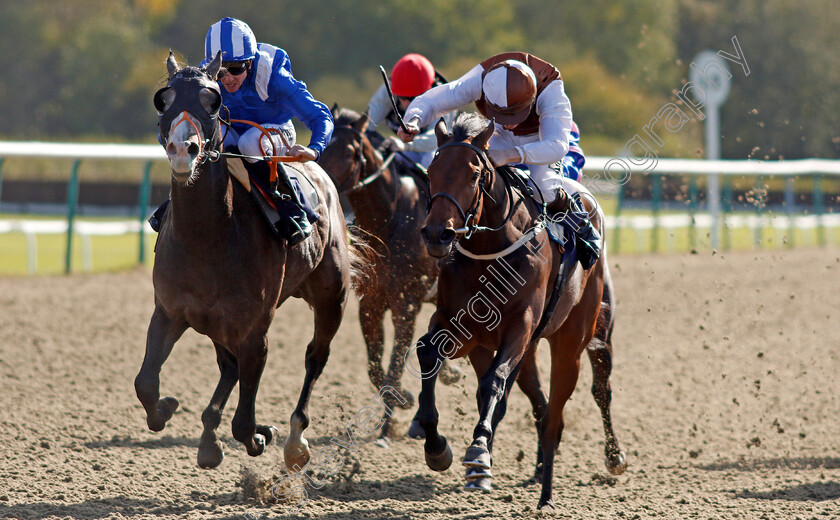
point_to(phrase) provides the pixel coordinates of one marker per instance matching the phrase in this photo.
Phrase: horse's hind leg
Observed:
(565, 369)
(210, 453)
(600, 356)
(327, 294)
(371, 314)
(404, 318)
(160, 338)
(531, 385)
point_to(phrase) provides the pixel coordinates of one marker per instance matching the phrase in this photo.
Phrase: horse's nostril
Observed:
(447, 235)
(171, 149)
(192, 149)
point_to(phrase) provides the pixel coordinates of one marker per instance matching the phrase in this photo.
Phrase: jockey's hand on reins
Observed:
(502, 157)
(303, 153)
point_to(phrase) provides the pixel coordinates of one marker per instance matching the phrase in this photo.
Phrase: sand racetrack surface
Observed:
(726, 396)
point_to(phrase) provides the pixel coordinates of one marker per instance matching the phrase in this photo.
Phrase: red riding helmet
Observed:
(412, 75)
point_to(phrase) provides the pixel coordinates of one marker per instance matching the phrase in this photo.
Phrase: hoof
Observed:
(548, 504)
(257, 447)
(449, 374)
(440, 461)
(479, 484)
(210, 457)
(478, 457)
(415, 431)
(383, 442)
(616, 465)
(269, 432)
(296, 455)
(165, 409)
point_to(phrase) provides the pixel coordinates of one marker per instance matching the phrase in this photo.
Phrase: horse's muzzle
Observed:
(438, 240)
(182, 156)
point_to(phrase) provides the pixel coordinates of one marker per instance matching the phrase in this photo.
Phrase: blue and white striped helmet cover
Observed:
(233, 37)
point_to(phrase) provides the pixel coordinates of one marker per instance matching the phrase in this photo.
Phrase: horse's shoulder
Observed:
(312, 171)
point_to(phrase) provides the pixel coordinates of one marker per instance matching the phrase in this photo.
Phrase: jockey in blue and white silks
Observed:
(268, 93)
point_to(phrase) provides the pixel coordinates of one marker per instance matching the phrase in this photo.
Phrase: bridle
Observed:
(361, 166)
(487, 170)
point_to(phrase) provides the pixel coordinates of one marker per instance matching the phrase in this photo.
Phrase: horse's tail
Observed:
(363, 259)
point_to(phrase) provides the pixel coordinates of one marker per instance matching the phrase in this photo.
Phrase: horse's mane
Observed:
(468, 124)
(346, 117)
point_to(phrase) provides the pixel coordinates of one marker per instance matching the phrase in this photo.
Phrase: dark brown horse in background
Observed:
(389, 204)
(219, 270)
(497, 302)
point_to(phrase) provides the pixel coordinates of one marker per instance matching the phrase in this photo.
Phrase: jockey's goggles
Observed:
(233, 67)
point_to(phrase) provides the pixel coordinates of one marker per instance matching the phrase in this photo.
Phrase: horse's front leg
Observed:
(161, 337)
(210, 452)
(251, 360)
(494, 388)
(438, 452)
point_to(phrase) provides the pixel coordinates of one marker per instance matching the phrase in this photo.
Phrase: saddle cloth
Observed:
(574, 225)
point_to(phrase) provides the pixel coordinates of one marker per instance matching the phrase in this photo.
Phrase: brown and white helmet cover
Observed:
(510, 89)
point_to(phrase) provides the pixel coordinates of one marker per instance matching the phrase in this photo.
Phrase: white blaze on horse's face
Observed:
(184, 145)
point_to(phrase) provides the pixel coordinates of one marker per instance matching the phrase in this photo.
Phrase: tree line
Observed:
(86, 70)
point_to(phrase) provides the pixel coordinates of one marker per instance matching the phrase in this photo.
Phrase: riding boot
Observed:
(298, 224)
(157, 217)
(295, 227)
(587, 238)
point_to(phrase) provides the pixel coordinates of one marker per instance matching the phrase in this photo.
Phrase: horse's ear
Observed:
(441, 133)
(481, 139)
(361, 124)
(334, 110)
(213, 67)
(172, 64)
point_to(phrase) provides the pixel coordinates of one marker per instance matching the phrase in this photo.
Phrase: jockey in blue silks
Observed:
(258, 86)
(264, 91)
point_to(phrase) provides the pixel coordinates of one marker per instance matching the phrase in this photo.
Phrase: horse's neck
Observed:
(496, 208)
(494, 213)
(375, 203)
(204, 208)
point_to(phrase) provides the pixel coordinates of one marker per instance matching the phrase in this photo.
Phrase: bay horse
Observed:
(220, 271)
(389, 204)
(493, 293)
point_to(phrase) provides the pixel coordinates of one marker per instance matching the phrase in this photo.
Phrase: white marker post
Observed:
(711, 75)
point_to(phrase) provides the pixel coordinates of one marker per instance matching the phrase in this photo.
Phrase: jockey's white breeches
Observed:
(253, 142)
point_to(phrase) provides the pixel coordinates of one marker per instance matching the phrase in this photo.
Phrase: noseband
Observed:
(469, 215)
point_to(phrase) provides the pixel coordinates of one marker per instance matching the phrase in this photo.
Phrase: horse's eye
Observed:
(475, 177)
